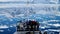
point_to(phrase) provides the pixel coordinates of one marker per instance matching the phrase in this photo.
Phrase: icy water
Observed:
(8, 30)
(49, 25)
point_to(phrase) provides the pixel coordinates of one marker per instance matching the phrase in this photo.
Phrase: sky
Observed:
(14, 0)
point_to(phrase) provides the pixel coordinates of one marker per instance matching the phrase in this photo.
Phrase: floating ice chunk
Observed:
(53, 20)
(57, 25)
(11, 26)
(43, 27)
(1, 30)
(4, 26)
(54, 30)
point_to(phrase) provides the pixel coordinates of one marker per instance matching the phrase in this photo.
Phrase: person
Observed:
(20, 26)
(32, 25)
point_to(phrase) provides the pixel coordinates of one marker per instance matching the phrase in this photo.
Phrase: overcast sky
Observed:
(14, 0)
